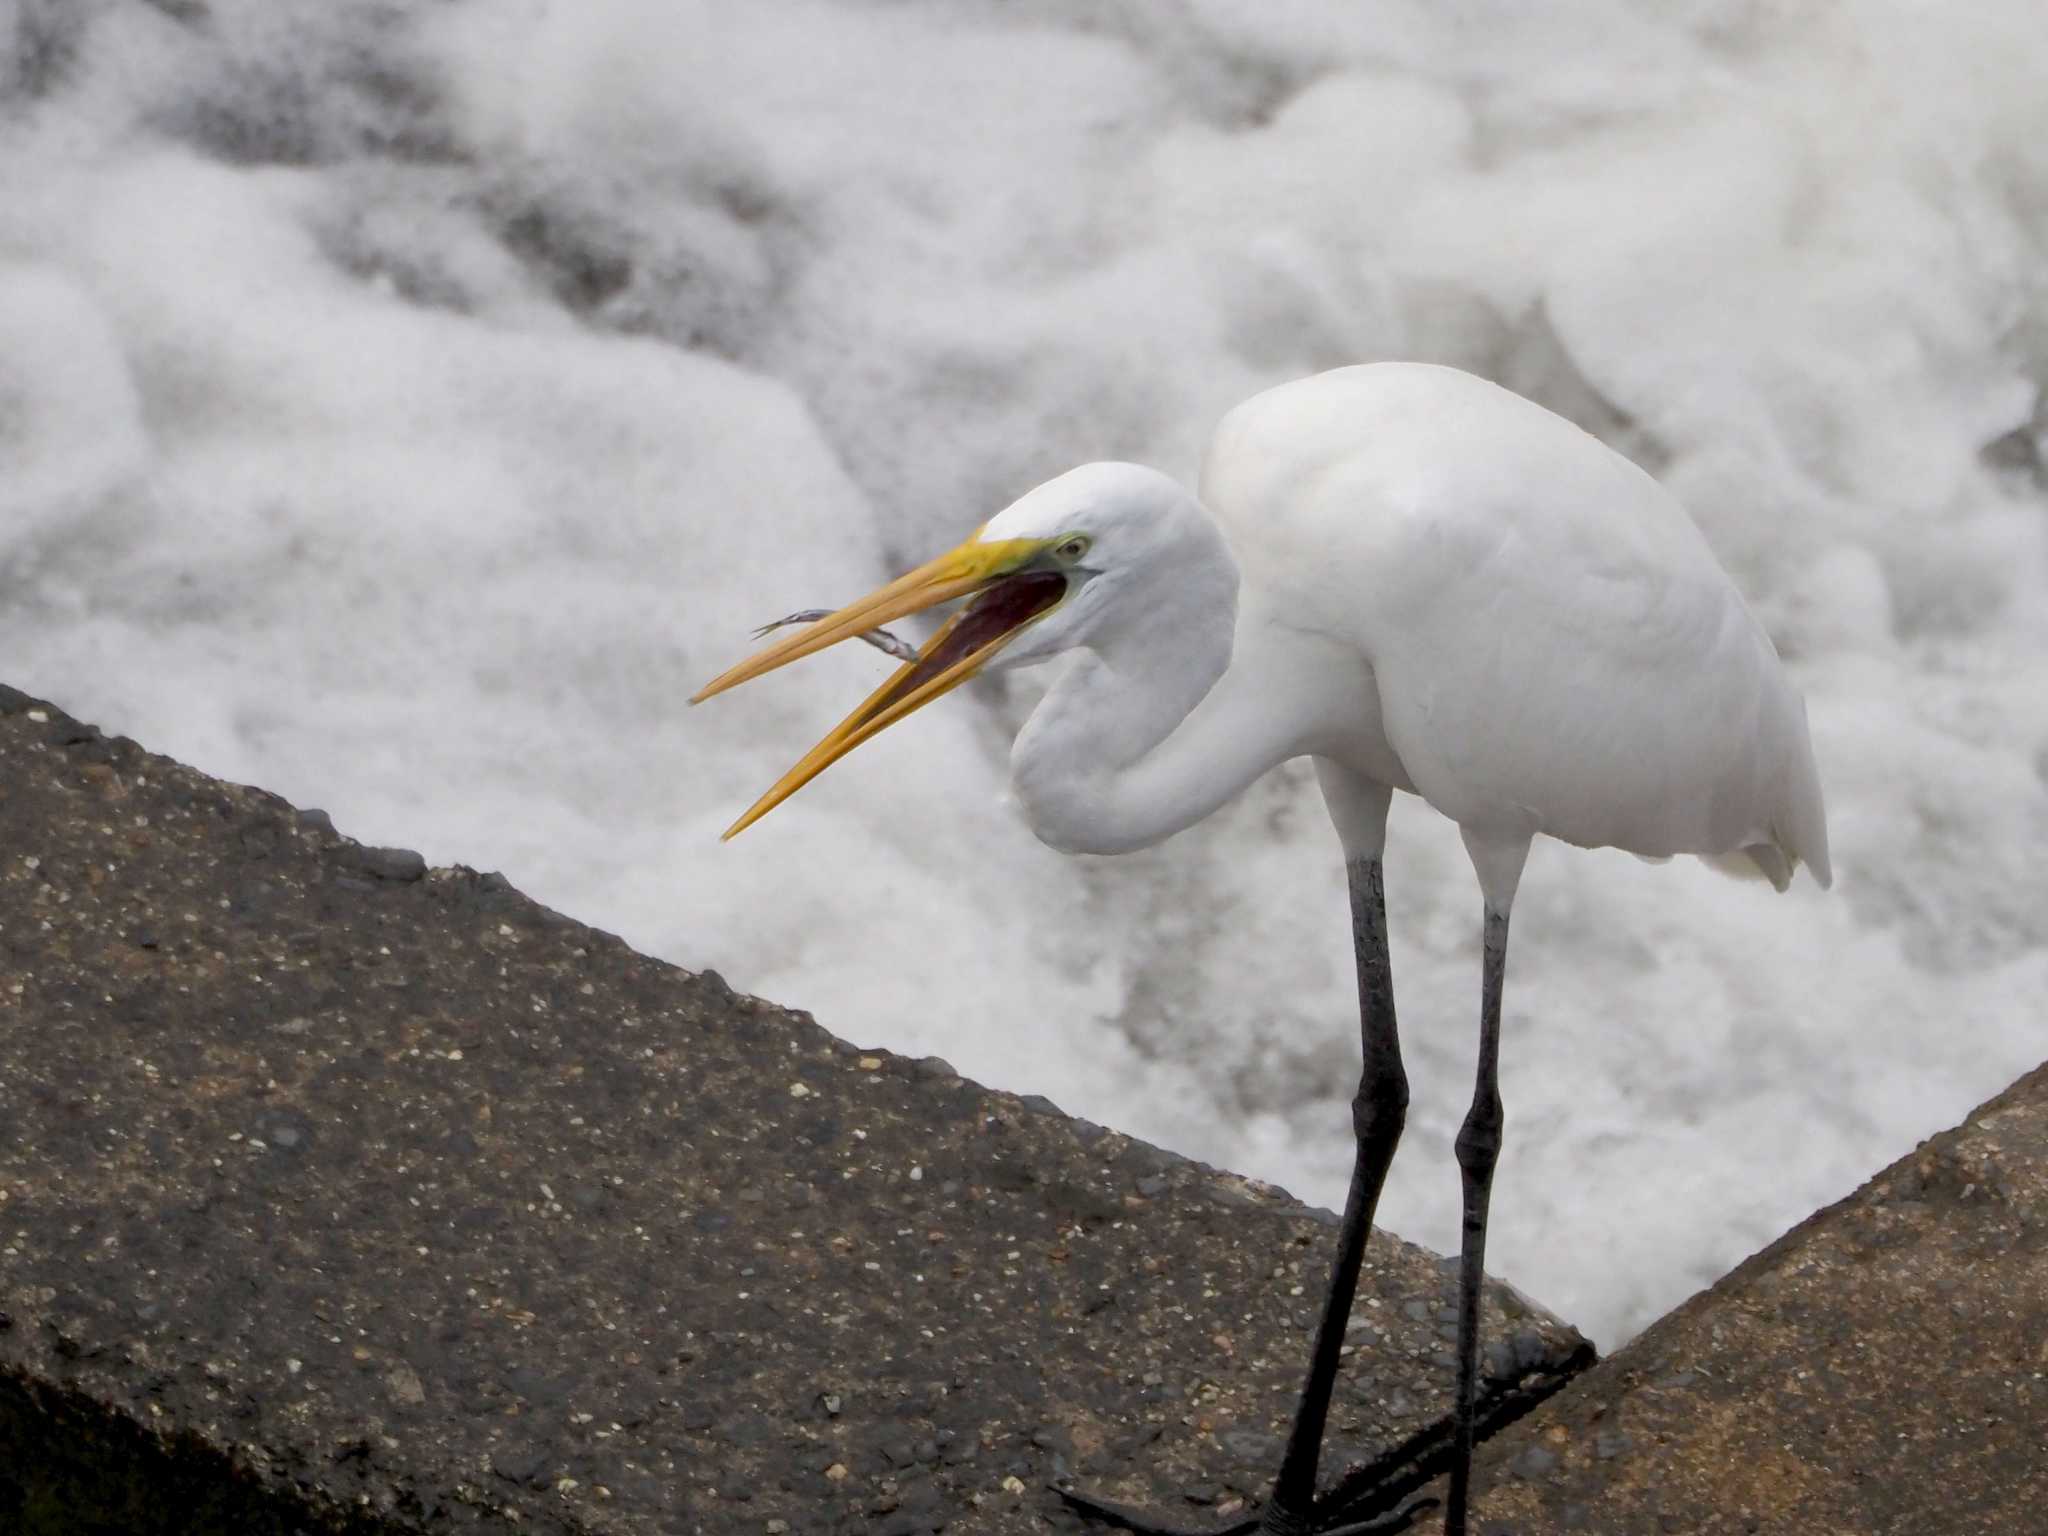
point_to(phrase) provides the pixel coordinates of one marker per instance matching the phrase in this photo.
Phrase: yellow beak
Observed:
(1012, 599)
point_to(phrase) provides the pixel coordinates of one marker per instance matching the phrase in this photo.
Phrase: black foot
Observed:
(1382, 1525)
(1126, 1517)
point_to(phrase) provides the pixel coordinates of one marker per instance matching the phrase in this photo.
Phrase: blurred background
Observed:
(405, 406)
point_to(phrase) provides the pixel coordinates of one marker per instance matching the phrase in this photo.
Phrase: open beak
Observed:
(1012, 597)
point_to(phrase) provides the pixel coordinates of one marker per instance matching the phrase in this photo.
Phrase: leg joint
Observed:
(1479, 1138)
(1380, 1107)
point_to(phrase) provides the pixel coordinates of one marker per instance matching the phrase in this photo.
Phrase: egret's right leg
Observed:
(1378, 1112)
(1478, 1149)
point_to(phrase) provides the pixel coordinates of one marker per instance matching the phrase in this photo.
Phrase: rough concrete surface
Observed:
(1883, 1367)
(340, 1193)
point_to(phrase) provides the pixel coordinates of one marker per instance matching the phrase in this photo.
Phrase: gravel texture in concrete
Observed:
(1883, 1367)
(342, 1193)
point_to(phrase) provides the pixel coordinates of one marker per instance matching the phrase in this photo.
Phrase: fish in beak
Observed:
(1012, 589)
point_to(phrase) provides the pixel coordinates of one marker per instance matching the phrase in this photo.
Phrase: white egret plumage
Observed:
(1423, 582)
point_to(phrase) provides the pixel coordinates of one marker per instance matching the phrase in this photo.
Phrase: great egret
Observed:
(1423, 582)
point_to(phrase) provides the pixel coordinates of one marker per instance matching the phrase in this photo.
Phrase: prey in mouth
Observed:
(1011, 587)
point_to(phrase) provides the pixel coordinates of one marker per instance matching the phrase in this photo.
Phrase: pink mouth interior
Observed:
(995, 612)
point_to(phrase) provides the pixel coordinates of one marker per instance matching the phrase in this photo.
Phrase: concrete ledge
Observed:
(1882, 1367)
(342, 1194)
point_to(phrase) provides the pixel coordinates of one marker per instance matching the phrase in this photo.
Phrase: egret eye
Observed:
(1072, 549)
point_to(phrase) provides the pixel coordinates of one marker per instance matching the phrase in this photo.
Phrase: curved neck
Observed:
(1152, 728)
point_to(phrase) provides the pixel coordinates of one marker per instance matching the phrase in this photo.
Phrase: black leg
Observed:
(1478, 1151)
(1378, 1112)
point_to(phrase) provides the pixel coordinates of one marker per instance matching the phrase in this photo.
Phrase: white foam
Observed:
(408, 416)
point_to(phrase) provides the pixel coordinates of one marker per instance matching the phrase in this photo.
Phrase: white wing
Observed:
(1554, 646)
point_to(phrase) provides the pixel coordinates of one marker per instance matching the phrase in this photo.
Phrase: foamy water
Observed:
(405, 408)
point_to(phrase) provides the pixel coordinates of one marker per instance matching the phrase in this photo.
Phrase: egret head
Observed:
(1055, 569)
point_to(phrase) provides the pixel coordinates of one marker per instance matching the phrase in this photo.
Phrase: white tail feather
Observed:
(1759, 861)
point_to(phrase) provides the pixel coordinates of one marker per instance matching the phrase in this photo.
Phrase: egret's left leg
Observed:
(1478, 1150)
(1379, 1110)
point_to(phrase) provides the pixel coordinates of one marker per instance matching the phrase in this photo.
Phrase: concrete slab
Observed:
(1883, 1367)
(340, 1193)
